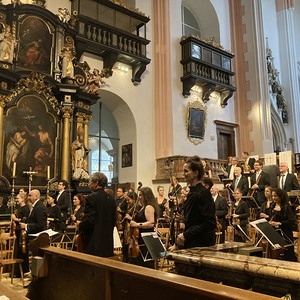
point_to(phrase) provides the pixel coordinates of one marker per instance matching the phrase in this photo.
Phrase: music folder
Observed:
(154, 245)
(267, 231)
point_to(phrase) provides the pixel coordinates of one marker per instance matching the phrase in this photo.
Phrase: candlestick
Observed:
(14, 169)
(48, 173)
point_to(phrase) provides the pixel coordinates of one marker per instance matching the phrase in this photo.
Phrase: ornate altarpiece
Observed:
(45, 99)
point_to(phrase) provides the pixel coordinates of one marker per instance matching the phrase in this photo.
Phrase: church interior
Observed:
(132, 88)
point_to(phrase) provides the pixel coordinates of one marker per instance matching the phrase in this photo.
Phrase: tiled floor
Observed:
(17, 283)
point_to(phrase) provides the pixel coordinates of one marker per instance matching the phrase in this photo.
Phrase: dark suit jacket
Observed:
(291, 183)
(221, 210)
(264, 180)
(37, 220)
(98, 224)
(251, 162)
(243, 185)
(243, 211)
(63, 203)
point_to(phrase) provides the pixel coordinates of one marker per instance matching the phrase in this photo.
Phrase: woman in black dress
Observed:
(78, 208)
(54, 218)
(283, 220)
(144, 220)
(267, 206)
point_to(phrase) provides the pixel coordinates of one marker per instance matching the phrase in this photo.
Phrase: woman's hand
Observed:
(133, 224)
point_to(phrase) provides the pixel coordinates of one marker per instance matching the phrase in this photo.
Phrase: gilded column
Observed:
(2, 105)
(66, 111)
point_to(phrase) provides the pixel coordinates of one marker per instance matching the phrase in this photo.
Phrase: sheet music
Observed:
(270, 159)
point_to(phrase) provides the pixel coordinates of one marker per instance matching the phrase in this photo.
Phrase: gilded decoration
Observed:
(211, 41)
(125, 5)
(196, 121)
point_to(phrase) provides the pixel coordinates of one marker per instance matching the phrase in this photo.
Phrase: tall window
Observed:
(103, 143)
(189, 23)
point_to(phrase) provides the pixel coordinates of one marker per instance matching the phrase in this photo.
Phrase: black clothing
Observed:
(290, 183)
(98, 224)
(161, 208)
(242, 209)
(200, 218)
(221, 212)
(54, 212)
(37, 220)
(242, 184)
(263, 181)
(63, 202)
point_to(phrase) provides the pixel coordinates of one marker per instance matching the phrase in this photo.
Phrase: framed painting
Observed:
(35, 45)
(196, 121)
(29, 143)
(127, 156)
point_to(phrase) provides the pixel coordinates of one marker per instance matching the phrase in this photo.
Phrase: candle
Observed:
(14, 169)
(48, 172)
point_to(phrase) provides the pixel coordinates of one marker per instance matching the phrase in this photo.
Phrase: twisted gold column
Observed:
(2, 105)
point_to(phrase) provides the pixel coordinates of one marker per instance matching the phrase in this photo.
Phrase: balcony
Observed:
(207, 65)
(114, 32)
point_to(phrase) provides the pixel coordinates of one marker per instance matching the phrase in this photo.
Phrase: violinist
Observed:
(161, 201)
(121, 205)
(21, 215)
(144, 220)
(239, 216)
(78, 208)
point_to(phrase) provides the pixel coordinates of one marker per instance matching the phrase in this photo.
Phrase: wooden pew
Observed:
(73, 275)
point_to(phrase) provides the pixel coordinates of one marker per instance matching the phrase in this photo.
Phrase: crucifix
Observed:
(30, 173)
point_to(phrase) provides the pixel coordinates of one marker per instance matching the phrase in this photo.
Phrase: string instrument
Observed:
(79, 241)
(219, 226)
(252, 192)
(120, 217)
(23, 237)
(134, 248)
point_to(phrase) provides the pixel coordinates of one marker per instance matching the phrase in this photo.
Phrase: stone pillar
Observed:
(162, 82)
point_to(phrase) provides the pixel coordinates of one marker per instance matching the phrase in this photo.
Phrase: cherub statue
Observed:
(64, 15)
(95, 81)
(7, 44)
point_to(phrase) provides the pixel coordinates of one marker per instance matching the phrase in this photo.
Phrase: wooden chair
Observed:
(7, 247)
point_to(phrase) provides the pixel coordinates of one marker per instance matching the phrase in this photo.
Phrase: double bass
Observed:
(134, 233)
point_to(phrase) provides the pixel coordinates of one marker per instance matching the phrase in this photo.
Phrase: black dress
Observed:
(200, 218)
(161, 207)
(54, 212)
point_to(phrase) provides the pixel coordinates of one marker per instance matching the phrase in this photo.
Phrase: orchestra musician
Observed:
(144, 220)
(240, 181)
(54, 218)
(21, 215)
(199, 209)
(283, 219)
(161, 201)
(97, 226)
(78, 209)
(221, 209)
(267, 206)
(240, 214)
(259, 180)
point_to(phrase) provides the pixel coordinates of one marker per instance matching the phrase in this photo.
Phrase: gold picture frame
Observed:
(196, 121)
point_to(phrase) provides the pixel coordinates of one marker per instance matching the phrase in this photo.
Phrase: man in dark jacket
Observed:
(99, 219)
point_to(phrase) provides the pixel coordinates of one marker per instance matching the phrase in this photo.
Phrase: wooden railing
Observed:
(73, 275)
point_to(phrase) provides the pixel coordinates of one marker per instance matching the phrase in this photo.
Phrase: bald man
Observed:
(37, 220)
(287, 181)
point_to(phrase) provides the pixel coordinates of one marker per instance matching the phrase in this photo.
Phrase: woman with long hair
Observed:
(144, 219)
(78, 208)
(283, 220)
(268, 205)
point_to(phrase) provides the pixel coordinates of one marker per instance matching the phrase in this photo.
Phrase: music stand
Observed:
(252, 203)
(269, 233)
(155, 247)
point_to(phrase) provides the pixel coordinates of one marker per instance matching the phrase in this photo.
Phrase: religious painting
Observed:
(30, 134)
(35, 45)
(196, 121)
(127, 156)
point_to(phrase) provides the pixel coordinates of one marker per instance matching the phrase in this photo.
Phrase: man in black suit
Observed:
(259, 180)
(221, 209)
(240, 181)
(63, 199)
(287, 181)
(37, 220)
(99, 219)
(248, 161)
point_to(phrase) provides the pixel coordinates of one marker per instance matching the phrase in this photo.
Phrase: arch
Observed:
(206, 17)
(117, 123)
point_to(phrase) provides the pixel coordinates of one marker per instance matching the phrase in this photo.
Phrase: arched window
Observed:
(189, 23)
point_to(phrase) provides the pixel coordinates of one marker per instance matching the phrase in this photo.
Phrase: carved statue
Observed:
(7, 44)
(79, 153)
(95, 81)
(64, 14)
(67, 62)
